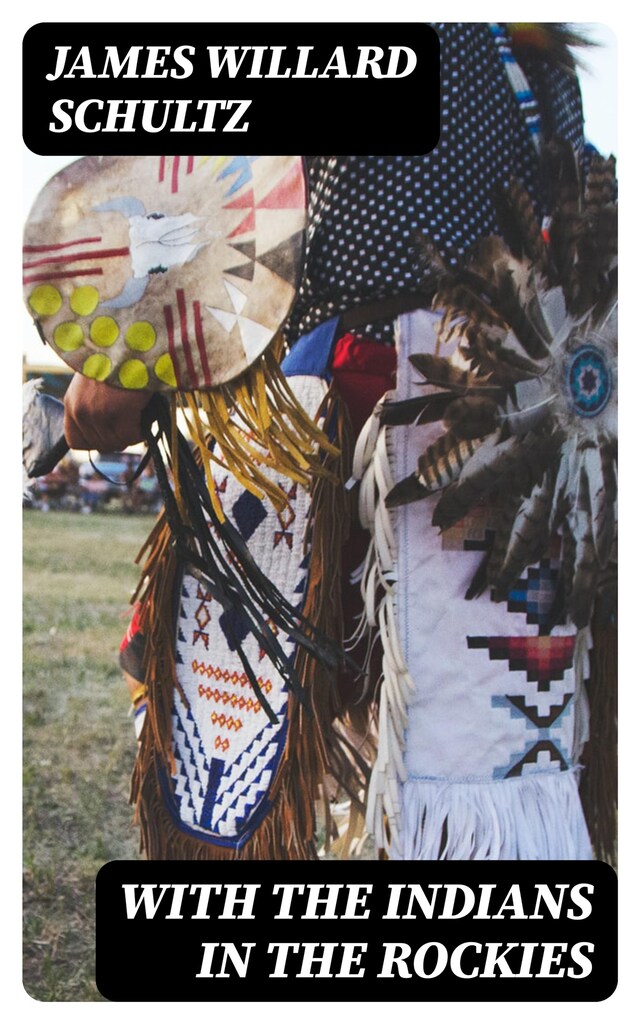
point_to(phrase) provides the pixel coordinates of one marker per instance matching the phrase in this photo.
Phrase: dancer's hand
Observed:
(97, 416)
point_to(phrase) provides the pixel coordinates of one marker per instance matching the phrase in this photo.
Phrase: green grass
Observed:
(79, 744)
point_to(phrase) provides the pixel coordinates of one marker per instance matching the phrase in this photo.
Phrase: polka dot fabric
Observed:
(363, 209)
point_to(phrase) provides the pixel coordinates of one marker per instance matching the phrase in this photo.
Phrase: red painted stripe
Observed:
(161, 169)
(168, 319)
(60, 245)
(248, 224)
(77, 257)
(204, 362)
(184, 336)
(174, 173)
(190, 164)
(55, 275)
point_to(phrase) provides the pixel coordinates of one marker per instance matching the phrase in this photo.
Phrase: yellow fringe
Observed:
(257, 423)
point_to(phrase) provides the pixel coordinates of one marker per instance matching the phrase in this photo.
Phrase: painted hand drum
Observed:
(165, 273)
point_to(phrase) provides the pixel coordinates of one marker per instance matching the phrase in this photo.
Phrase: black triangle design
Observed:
(246, 271)
(247, 249)
(283, 260)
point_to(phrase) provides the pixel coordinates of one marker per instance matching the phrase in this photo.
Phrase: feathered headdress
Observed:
(529, 400)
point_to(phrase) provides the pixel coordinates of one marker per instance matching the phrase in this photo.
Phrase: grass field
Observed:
(79, 744)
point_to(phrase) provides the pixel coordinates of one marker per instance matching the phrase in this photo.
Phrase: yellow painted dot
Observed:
(133, 374)
(97, 366)
(165, 371)
(141, 336)
(68, 337)
(104, 331)
(45, 300)
(84, 299)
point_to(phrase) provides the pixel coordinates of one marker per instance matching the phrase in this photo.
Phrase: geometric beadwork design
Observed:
(248, 512)
(286, 517)
(589, 381)
(203, 618)
(543, 658)
(234, 627)
(543, 754)
(542, 711)
(535, 595)
(541, 720)
(226, 751)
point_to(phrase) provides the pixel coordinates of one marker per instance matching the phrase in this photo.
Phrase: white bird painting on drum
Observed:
(156, 241)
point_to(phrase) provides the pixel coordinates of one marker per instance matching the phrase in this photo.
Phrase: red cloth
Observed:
(363, 370)
(132, 628)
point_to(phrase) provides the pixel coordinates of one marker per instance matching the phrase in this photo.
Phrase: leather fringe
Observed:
(599, 783)
(257, 425)
(315, 748)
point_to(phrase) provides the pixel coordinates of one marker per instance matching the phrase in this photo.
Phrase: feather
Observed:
(535, 405)
(424, 409)
(566, 483)
(411, 488)
(514, 296)
(479, 581)
(553, 40)
(562, 177)
(567, 225)
(502, 518)
(480, 477)
(512, 465)
(486, 351)
(567, 560)
(439, 465)
(529, 536)
(586, 569)
(529, 408)
(471, 417)
(518, 223)
(461, 305)
(428, 260)
(444, 374)
(507, 508)
(600, 185)
(601, 478)
(508, 286)
(596, 247)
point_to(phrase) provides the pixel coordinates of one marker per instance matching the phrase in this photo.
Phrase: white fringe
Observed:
(379, 575)
(534, 817)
